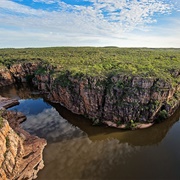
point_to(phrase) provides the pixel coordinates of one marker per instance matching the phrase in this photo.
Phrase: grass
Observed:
(107, 61)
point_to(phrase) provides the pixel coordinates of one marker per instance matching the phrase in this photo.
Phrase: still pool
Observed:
(78, 150)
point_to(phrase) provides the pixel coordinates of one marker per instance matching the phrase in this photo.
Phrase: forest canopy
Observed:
(102, 61)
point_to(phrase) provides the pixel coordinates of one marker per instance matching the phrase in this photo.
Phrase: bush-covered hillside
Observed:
(161, 63)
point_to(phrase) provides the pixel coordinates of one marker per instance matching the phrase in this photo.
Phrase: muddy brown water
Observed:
(78, 150)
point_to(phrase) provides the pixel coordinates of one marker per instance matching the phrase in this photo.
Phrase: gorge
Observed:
(122, 100)
(76, 149)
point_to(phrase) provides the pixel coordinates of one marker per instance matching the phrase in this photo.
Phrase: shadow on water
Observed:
(20, 91)
(141, 137)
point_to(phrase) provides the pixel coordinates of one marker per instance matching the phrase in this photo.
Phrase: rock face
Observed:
(5, 77)
(21, 153)
(118, 98)
(23, 72)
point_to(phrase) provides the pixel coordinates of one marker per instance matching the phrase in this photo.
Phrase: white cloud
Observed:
(46, 1)
(43, 39)
(103, 19)
(124, 15)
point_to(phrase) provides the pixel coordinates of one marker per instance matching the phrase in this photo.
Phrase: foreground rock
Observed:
(21, 153)
(7, 102)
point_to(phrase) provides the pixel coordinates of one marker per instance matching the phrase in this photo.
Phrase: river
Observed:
(77, 150)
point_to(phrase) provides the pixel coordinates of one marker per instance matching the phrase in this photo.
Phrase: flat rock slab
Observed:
(7, 102)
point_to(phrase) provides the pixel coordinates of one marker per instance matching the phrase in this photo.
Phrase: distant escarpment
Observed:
(21, 153)
(119, 100)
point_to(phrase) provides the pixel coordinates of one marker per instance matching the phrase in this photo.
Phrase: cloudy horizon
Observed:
(122, 23)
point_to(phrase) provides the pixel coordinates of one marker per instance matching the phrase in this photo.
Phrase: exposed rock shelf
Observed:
(7, 102)
(21, 153)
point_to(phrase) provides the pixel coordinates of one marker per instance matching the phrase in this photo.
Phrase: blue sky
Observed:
(123, 23)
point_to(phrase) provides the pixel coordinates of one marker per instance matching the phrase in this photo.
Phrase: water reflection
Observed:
(19, 91)
(51, 126)
(31, 106)
(78, 150)
(84, 159)
(108, 159)
(142, 137)
(43, 120)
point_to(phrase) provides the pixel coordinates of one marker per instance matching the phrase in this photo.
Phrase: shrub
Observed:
(162, 115)
(7, 142)
(131, 125)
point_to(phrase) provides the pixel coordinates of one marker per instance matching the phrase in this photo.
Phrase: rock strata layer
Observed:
(21, 153)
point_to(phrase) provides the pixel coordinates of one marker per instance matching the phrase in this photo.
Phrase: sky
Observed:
(122, 23)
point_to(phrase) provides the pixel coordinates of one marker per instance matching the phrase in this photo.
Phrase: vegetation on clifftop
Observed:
(92, 61)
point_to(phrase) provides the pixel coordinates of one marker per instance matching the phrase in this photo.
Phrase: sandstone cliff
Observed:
(120, 99)
(21, 153)
(23, 72)
(5, 77)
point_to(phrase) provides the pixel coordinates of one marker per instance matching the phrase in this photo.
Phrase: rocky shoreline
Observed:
(21, 153)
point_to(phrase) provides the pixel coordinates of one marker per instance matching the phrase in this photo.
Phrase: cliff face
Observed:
(23, 72)
(17, 73)
(21, 153)
(5, 77)
(118, 98)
